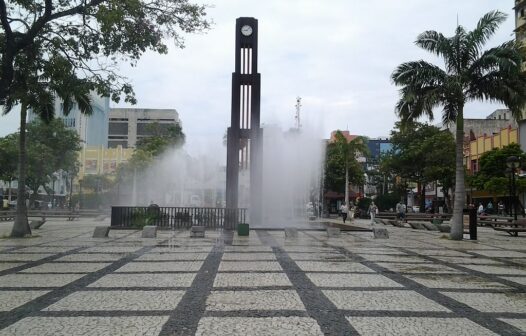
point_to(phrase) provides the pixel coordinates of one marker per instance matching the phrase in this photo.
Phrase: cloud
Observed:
(337, 55)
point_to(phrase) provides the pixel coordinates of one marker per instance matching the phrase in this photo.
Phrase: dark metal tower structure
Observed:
(244, 136)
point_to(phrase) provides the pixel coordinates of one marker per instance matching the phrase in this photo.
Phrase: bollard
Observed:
(473, 224)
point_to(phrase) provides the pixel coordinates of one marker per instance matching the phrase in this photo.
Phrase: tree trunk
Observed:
(422, 197)
(457, 221)
(347, 185)
(21, 225)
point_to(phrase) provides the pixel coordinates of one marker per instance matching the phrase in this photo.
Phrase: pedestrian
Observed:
(400, 209)
(344, 210)
(372, 211)
(489, 208)
(500, 207)
(480, 210)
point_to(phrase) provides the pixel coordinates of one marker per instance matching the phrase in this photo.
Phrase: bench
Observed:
(512, 228)
(44, 216)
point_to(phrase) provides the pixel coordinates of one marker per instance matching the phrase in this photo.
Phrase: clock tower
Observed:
(244, 136)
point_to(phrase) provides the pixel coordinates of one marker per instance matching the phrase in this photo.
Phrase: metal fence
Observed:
(176, 217)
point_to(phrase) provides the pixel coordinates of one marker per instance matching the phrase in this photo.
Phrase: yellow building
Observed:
(486, 143)
(100, 160)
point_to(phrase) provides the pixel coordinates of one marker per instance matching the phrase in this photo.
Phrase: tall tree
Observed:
(470, 74)
(421, 154)
(8, 154)
(67, 49)
(348, 151)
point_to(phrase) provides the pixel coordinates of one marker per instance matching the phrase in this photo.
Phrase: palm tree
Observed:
(470, 74)
(40, 98)
(349, 150)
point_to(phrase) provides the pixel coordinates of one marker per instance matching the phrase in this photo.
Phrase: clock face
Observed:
(246, 30)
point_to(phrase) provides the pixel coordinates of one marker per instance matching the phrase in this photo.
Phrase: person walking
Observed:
(500, 206)
(489, 208)
(480, 210)
(344, 210)
(400, 209)
(372, 211)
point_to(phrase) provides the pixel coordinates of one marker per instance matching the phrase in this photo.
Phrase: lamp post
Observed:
(513, 163)
(55, 177)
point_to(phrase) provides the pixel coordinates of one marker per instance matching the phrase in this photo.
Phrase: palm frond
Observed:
(486, 28)
(419, 73)
(434, 42)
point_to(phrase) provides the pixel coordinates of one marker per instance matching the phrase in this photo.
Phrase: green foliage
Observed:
(364, 203)
(97, 183)
(161, 137)
(470, 74)
(341, 157)
(9, 157)
(387, 201)
(421, 153)
(51, 147)
(76, 45)
(492, 175)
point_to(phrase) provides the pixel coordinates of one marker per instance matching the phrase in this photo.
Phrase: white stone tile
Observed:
(12, 299)
(112, 249)
(394, 258)
(38, 280)
(145, 280)
(333, 266)
(242, 266)
(351, 280)
(92, 257)
(4, 266)
(238, 248)
(416, 326)
(163, 266)
(470, 260)
(66, 268)
(13, 256)
(517, 323)
(254, 300)
(519, 280)
(251, 280)
(46, 249)
(87, 326)
(396, 300)
(502, 254)
(243, 326)
(512, 270)
(455, 281)
(128, 300)
(319, 256)
(249, 256)
(173, 256)
(418, 268)
(492, 302)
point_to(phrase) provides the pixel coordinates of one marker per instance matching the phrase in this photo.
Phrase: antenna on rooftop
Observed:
(297, 117)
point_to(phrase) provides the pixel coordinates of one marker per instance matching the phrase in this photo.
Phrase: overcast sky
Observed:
(337, 55)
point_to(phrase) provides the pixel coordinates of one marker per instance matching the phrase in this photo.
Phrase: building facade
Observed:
(129, 125)
(92, 129)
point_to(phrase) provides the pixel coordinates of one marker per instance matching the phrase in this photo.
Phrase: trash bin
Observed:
(243, 229)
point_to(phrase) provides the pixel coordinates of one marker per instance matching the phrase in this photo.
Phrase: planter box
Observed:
(243, 229)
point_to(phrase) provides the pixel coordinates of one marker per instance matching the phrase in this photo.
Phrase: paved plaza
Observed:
(63, 282)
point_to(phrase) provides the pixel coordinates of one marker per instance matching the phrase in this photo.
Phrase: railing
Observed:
(176, 217)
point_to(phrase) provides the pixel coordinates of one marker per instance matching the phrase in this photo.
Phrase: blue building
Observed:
(93, 129)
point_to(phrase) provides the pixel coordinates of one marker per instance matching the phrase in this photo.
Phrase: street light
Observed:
(55, 177)
(513, 163)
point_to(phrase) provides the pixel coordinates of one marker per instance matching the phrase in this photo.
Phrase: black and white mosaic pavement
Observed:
(64, 282)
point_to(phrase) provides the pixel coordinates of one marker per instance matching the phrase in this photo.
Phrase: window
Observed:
(474, 166)
(522, 13)
(69, 122)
